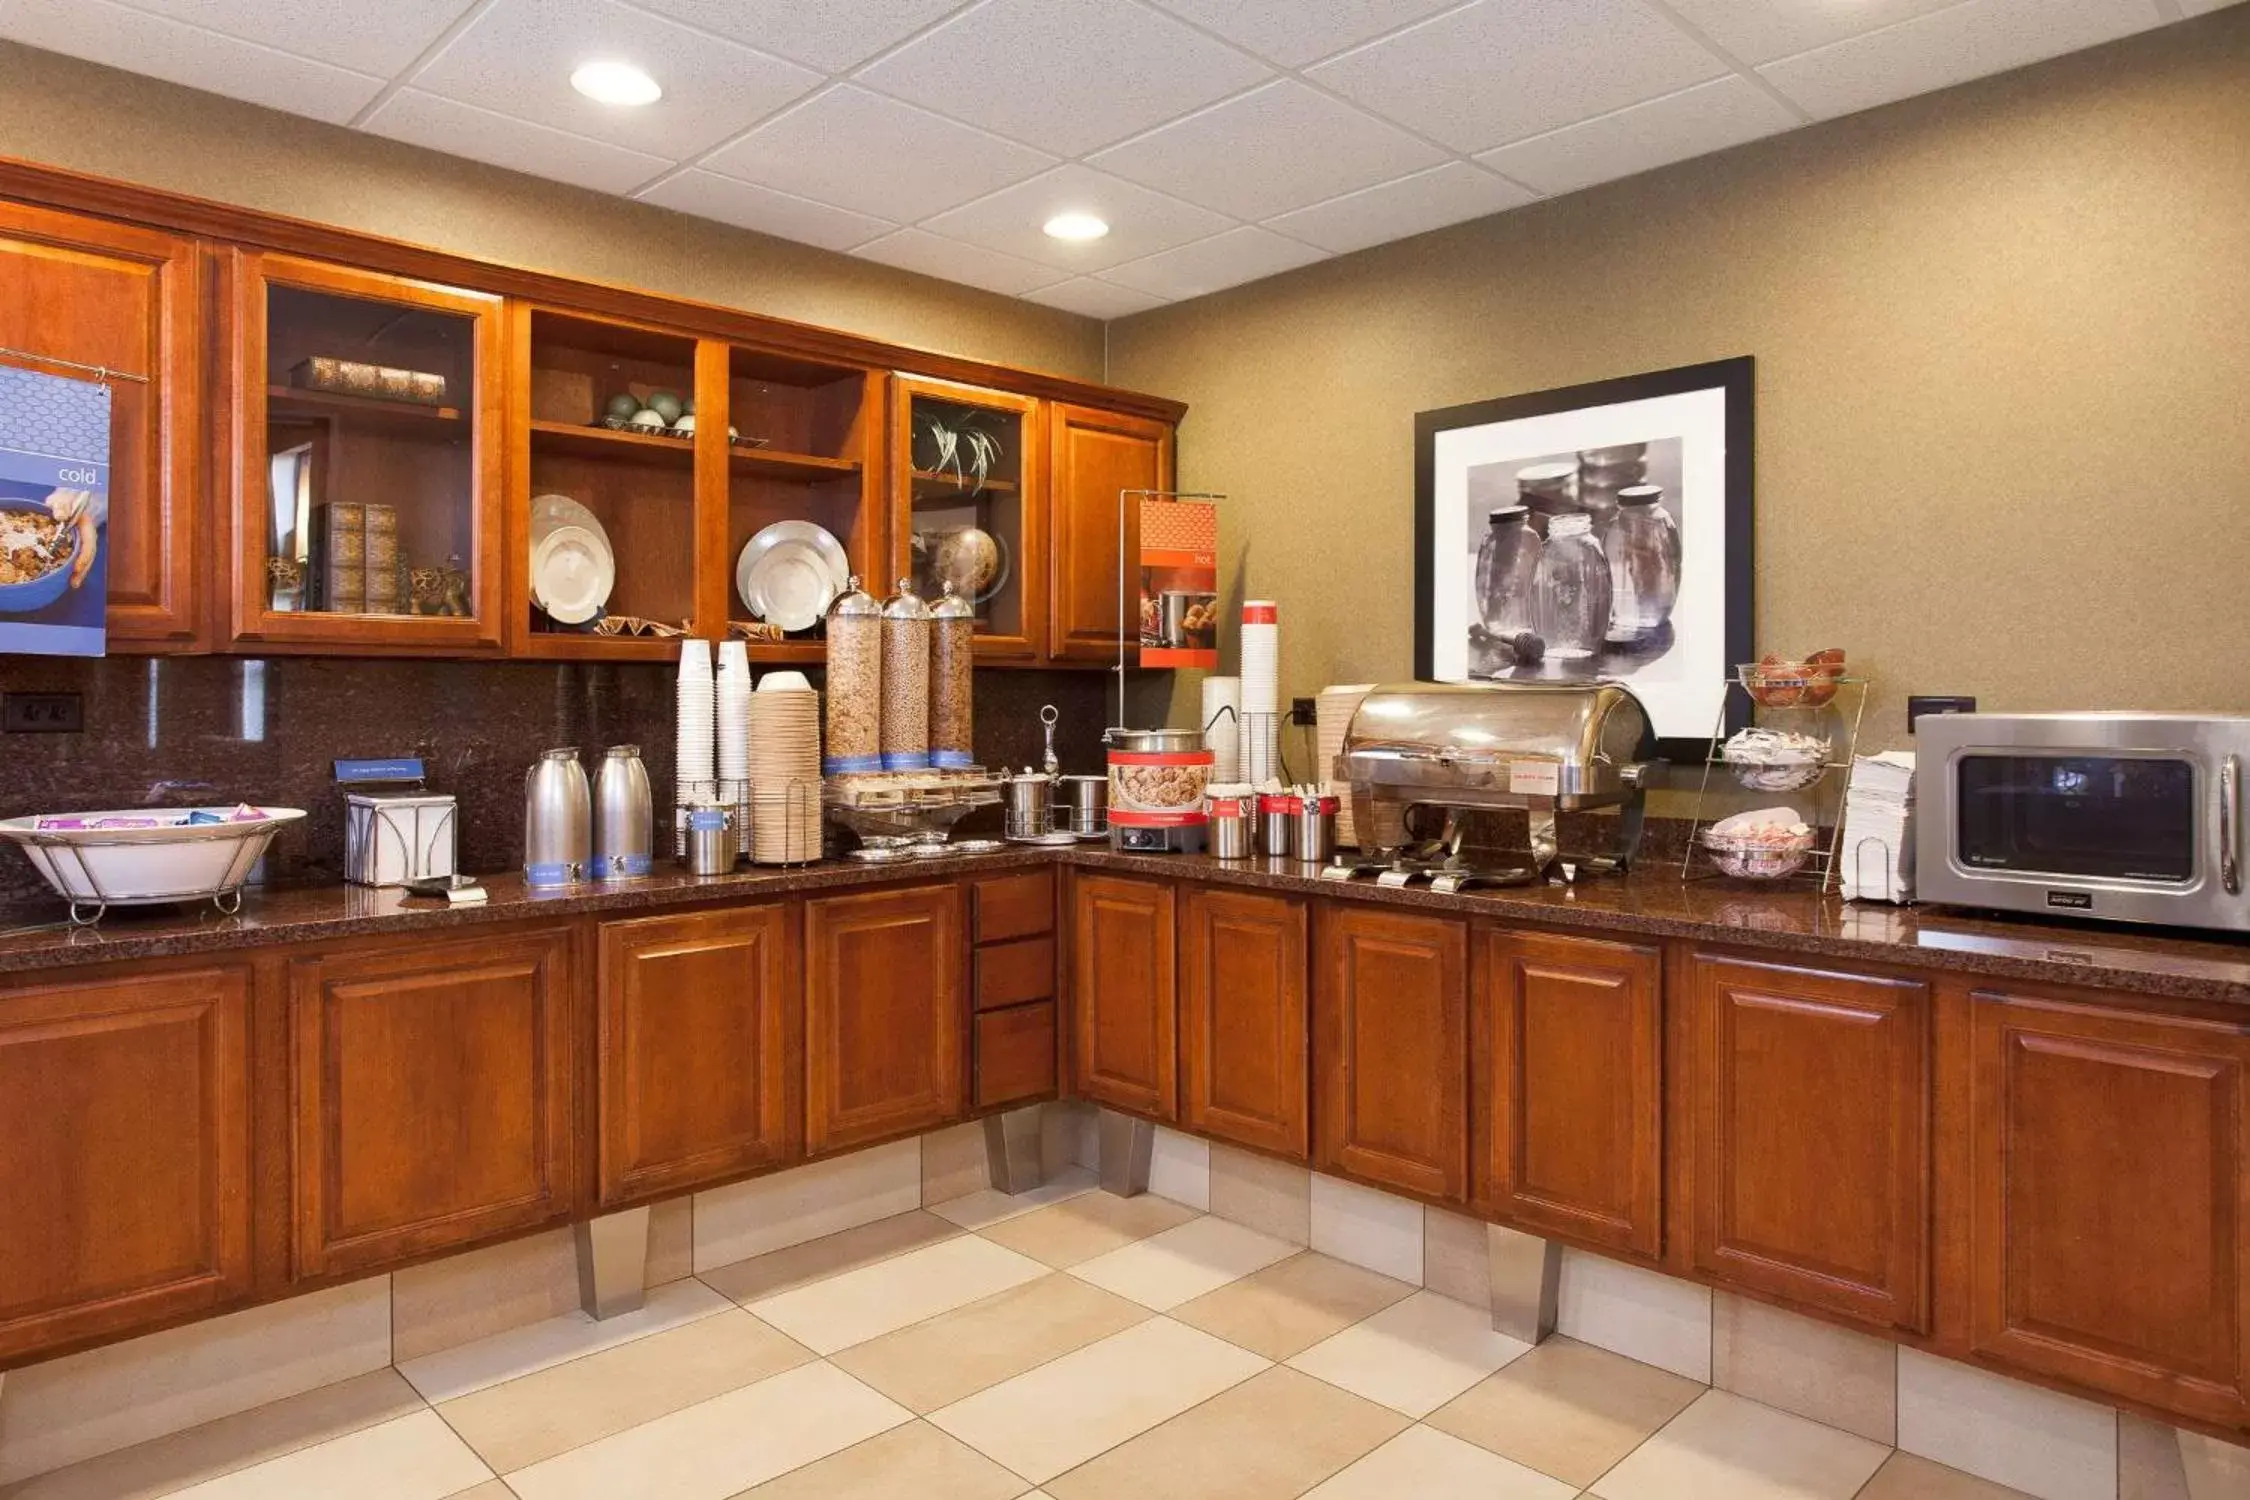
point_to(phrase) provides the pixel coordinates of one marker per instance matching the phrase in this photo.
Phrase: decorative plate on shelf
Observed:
(789, 573)
(572, 574)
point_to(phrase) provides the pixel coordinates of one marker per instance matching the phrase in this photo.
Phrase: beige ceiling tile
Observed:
(441, 124)
(1947, 47)
(1212, 265)
(827, 36)
(748, 206)
(517, 57)
(1063, 78)
(1500, 70)
(1450, 194)
(1296, 32)
(874, 155)
(1709, 117)
(1276, 148)
(101, 32)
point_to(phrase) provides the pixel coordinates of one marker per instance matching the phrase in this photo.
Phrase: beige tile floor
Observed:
(1091, 1348)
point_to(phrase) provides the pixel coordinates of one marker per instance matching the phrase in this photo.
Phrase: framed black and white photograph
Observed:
(1596, 531)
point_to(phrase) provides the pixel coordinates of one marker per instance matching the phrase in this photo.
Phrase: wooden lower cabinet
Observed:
(2107, 1176)
(700, 1027)
(1807, 1100)
(1244, 1019)
(433, 1095)
(1122, 988)
(124, 1152)
(1391, 1049)
(1568, 1047)
(886, 1015)
(1015, 1054)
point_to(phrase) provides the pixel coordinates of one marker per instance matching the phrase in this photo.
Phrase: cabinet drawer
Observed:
(1013, 973)
(1015, 1054)
(1013, 906)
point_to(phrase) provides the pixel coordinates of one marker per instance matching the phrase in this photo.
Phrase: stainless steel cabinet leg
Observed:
(1525, 1272)
(1011, 1150)
(1127, 1145)
(613, 1263)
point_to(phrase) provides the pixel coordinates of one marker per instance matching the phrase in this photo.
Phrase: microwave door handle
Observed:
(2230, 824)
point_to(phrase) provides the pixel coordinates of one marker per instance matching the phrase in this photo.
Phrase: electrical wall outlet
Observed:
(1301, 711)
(42, 713)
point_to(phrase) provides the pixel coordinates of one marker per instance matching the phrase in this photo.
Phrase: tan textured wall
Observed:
(2003, 344)
(72, 114)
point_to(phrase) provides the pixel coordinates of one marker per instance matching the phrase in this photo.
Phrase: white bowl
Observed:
(785, 682)
(145, 866)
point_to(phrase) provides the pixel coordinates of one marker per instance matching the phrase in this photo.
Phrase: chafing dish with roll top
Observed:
(1420, 758)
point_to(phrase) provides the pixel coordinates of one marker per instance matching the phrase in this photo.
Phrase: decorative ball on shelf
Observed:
(622, 406)
(666, 404)
(969, 559)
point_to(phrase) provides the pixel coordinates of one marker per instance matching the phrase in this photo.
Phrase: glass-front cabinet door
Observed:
(968, 507)
(368, 497)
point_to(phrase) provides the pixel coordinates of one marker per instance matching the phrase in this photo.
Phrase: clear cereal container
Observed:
(855, 684)
(906, 681)
(953, 628)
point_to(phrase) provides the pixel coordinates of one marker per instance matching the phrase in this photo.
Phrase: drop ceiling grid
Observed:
(1226, 140)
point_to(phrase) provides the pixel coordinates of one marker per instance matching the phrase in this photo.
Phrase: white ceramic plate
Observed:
(572, 573)
(790, 572)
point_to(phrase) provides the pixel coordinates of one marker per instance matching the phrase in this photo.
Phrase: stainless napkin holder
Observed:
(391, 838)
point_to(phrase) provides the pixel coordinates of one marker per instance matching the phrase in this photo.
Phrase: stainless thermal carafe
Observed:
(558, 821)
(624, 816)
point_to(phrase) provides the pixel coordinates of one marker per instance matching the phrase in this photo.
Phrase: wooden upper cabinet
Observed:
(124, 1153)
(969, 507)
(1390, 1049)
(110, 295)
(1807, 1100)
(1568, 1049)
(1092, 456)
(2109, 1161)
(886, 1015)
(366, 507)
(700, 1029)
(433, 1095)
(1244, 1019)
(1121, 955)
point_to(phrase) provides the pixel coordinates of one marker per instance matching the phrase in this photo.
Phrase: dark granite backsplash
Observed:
(175, 732)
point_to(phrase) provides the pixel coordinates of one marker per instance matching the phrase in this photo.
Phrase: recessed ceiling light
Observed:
(1076, 226)
(615, 83)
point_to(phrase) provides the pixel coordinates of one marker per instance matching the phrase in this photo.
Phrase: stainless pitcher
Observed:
(558, 821)
(624, 816)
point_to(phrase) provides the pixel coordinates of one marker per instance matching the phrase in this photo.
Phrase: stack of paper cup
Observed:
(696, 770)
(1260, 752)
(733, 699)
(1332, 716)
(1222, 726)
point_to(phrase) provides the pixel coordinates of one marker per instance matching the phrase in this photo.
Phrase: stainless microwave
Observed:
(2125, 817)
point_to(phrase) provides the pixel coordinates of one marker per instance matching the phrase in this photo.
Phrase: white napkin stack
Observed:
(1878, 848)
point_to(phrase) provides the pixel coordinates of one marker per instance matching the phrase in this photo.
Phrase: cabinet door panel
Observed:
(1244, 1019)
(1390, 1049)
(433, 1096)
(2109, 1231)
(1093, 455)
(1122, 971)
(699, 1026)
(130, 299)
(124, 1153)
(1811, 1101)
(885, 1015)
(1568, 1051)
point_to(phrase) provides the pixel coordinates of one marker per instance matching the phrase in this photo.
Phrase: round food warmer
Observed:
(1156, 782)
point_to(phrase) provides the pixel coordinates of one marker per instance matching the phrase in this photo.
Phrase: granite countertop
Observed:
(1653, 902)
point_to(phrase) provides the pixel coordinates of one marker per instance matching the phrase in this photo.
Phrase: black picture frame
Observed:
(1736, 377)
